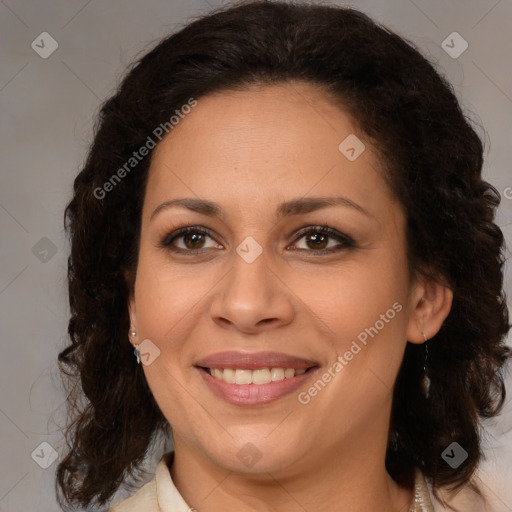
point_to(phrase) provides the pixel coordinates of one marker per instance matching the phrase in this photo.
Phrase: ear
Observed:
(131, 301)
(431, 304)
(132, 312)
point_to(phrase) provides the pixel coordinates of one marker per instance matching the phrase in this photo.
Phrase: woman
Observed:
(283, 249)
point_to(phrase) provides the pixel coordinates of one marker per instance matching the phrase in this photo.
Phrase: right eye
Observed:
(193, 239)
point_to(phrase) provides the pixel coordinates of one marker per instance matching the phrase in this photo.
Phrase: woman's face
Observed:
(259, 292)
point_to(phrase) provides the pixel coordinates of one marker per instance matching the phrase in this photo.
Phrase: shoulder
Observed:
(462, 500)
(143, 500)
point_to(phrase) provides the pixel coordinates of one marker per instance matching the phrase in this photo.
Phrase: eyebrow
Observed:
(287, 209)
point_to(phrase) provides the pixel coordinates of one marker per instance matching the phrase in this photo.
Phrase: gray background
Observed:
(47, 111)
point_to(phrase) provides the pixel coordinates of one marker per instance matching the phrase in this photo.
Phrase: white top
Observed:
(161, 495)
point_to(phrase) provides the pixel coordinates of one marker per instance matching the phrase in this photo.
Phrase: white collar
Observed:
(168, 497)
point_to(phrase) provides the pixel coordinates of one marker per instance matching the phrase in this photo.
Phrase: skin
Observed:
(249, 151)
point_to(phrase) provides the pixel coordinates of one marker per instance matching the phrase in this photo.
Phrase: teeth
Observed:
(241, 376)
(259, 376)
(228, 375)
(277, 374)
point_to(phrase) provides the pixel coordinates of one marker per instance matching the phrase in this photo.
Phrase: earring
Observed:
(426, 380)
(137, 354)
(136, 351)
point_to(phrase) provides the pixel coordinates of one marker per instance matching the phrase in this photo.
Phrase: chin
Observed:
(256, 454)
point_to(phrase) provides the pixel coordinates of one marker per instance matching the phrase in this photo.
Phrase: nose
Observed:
(252, 297)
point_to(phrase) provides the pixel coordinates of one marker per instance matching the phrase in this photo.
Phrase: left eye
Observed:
(318, 235)
(316, 239)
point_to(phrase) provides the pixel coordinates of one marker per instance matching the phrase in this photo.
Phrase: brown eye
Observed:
(317, 239)
(193, 239)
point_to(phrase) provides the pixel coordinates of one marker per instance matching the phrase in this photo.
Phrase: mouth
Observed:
(242, 378)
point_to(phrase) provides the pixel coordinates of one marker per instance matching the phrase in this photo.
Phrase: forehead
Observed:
(266, 142)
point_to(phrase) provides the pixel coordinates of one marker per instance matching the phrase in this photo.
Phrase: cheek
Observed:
(351, 299)
(166, 300)
(364, 310)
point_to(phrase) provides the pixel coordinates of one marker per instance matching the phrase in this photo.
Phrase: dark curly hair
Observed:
(432, 159)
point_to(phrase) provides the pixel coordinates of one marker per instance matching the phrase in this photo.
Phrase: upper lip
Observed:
(254, 360)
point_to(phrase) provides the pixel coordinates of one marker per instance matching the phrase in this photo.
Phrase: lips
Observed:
(254, 361)
(242, 368)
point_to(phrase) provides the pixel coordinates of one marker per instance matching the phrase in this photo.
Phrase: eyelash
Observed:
(346, 241)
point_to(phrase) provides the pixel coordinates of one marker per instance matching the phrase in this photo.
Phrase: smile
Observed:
(258, 376)
(254, 378)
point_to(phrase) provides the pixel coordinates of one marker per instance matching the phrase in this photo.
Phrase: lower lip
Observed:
(254, 394)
